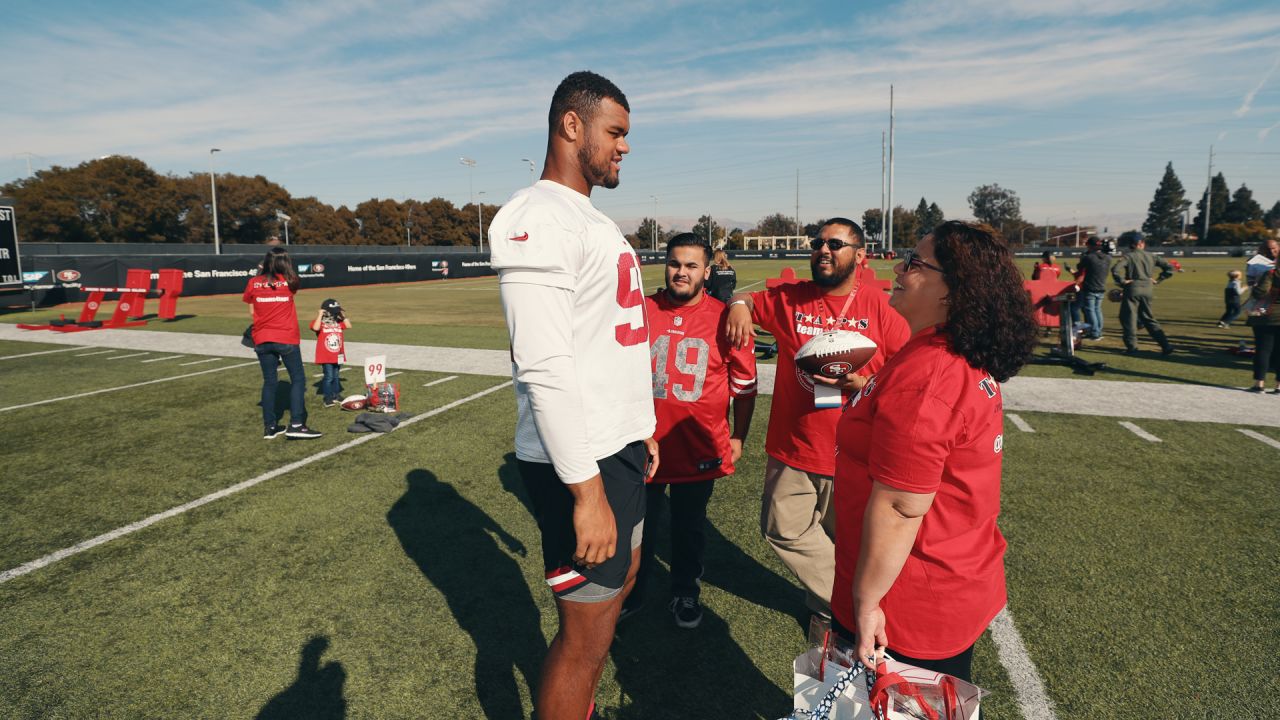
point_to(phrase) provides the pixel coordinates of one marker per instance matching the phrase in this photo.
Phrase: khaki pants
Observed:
(797, 520)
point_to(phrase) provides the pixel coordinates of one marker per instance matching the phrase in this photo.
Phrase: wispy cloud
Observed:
(1264, 132)
(1247, 102)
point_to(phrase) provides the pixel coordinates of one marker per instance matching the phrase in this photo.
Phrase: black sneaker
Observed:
(1256, 389)
(272, 432)
(301, 432)
(687, 611)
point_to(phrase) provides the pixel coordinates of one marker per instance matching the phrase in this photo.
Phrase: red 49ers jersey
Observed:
(695, 373)
(329, 345)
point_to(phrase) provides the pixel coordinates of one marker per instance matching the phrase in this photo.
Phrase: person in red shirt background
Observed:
(919, 557)
(276, 339)
(696, 372)
(1046, 269)
(331, 350)
(795, 516)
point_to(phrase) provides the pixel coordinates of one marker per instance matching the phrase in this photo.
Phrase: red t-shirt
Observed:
(801, 435)
(1044, 271)
(927, 422)
(329, 344)
(695, 372)
(274, 317)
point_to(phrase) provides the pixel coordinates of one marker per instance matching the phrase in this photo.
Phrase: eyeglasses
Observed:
(910, 259)
(833, 244)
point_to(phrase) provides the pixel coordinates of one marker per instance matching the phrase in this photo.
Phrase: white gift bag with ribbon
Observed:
(829, 690)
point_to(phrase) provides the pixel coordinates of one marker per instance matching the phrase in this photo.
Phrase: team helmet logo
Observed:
(837, 368)
(68, 275)
(317, 268)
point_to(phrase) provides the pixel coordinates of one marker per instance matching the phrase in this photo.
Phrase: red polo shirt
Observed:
(275, 319)
(927, 423)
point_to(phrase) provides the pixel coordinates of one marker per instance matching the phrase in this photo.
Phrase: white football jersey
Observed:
(574, 304)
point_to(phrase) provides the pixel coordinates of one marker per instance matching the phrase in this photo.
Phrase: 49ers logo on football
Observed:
(838, 367)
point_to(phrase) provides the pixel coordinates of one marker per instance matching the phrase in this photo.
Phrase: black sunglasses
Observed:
(833, 244)
(910, 259)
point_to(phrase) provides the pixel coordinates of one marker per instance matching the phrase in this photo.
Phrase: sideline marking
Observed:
(106, 537)
(747, 287)
(121, 357)
(45, 352)
(393, 374)
(1139, 431)
(199, 362)
(1033, 701)
(1019, 422)
(96, 353)
(126, 387)
(1260, 437)
(171, 357)
(441, 380)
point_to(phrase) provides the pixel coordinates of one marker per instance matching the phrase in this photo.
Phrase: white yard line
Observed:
(119, 532)
(123, 387)
(1138, 431)
(121, 357)
(1033, 700)
(44, 352)
(99, 352)
(201, 362)
(441, 380)
(1260, 437)
(161, 359)
(747, 287)
(393, 374)
(1019, 422)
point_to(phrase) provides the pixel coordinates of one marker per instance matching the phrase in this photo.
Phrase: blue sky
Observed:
(1075, 104)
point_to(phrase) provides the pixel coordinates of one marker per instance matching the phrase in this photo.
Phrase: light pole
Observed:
(286, 219)
(654, 230)
(480, 221)
(532, 179)
(408, 223)
(213, 193)
(471, 180)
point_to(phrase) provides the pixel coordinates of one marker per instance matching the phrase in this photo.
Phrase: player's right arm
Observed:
(745, 310)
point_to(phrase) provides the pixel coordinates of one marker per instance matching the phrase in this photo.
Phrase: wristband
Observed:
(737, 302)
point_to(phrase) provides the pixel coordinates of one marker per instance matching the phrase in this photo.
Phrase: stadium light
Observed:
(480, 221)
(471, 182)
(213, 193)
(281, 216)
(532, 179)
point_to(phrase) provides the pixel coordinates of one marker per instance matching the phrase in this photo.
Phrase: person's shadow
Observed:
(455, 546)
(317, 691)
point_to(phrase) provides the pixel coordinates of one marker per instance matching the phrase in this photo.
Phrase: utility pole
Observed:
(1208, 198)
(889, 209)
(471, 188)
(213, 195)
(653, 231)
(480, 220)
(711, 224)
(797, 202)
(882, 179)
(408, 223)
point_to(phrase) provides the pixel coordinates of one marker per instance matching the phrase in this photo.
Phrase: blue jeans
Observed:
(269, 356)
(330, 384)
(1092, 311)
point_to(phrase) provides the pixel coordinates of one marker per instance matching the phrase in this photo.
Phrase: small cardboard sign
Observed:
(375, 369)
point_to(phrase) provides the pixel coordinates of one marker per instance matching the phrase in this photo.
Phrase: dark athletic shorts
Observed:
(623, 476)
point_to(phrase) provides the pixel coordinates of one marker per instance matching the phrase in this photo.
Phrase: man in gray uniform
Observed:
(1133, 273)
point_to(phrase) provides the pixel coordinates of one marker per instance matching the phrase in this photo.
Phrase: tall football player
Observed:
(571, 293)
(696, 371)
(796, 517)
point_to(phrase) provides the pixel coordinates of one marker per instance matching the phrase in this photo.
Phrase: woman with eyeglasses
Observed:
(919, 557)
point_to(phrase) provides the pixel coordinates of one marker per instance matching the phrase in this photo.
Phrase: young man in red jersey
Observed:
(696, 372)
(795, 516)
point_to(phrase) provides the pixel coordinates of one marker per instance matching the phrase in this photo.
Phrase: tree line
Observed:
(120, 199)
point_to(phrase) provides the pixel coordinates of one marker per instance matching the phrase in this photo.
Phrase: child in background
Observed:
(1233, 296)
(328, 326)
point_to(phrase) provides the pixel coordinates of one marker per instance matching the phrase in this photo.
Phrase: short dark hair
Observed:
(689, 239)
(990, 322)
(1093, 241)
(854, 228)
(582, 92)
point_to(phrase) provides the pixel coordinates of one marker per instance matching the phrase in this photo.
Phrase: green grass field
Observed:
(401, 577)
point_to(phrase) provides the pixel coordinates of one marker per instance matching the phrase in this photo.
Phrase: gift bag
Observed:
(831, 685)
(384, 397)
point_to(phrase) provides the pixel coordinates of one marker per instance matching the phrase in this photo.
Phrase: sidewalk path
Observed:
(1109, 398)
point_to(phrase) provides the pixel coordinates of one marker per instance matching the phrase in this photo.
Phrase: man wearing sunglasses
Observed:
(796, 517)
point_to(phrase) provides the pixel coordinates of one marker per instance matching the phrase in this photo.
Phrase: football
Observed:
(836, 353)
(354, 402)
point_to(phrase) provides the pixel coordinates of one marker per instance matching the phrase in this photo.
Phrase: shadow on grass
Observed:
(455, 546)
(315, 693)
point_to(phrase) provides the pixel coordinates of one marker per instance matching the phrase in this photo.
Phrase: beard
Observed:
(598, 174)
(695, 289)
(839, 273)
